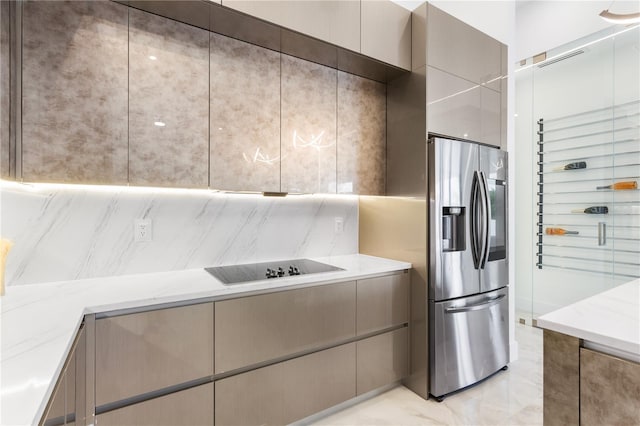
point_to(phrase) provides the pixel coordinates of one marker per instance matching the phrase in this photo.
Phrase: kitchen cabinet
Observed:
(382, 302)
(148, 351)
(382, 360)
(458, 48)
(244, 116)
(255, 329)
(308, 127)
(168, 102)
(362, 131)
(287, 391)
(74, 92)
(334, 21)
(68, 393)
(609, 389)
(466, 80)
(386, 32)
(190, 407)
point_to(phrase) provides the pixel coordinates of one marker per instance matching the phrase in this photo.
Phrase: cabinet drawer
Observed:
(382, 302)
(291, 390)
(147, 351)
(254, 329)
(609, 389)
(191, 407)
(382, 360)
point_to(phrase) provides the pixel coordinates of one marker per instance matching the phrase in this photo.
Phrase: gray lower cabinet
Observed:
(382, 302)
(609, 389)
(62, 407)
(381, 360)
(254, 329)
(287, 391)
(189, 407)
(149, 351)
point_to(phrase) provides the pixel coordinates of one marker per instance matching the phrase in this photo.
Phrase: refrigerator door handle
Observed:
(474, 217)
(486, 219)
(476, 307)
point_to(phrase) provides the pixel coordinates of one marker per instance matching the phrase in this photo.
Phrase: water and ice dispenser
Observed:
(453, 229)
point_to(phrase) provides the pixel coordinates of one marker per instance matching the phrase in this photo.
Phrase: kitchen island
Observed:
(592, 359)
(40, 322)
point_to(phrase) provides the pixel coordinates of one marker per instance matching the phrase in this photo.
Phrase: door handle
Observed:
(476, 307)
(473, 218)
(486, 219)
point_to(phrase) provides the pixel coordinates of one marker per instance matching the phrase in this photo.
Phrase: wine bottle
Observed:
(559, 231)
(617, 186)
(572, 166)
(592, 210)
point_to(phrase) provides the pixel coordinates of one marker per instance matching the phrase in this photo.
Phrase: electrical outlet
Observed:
(338, 225)
(142, 230)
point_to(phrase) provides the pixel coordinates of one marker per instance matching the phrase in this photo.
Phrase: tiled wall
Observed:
(117, 95)
(69, 233)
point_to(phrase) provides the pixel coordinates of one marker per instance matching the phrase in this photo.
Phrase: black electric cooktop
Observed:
(237, 274)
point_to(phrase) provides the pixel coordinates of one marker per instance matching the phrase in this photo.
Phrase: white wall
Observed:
(543, 25)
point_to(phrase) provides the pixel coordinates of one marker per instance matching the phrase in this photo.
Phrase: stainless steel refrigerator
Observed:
(468, 264)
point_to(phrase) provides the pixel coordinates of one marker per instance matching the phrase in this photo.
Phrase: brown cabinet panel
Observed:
(258, 328)
(168, 102)
(609, 390)
(287, 391)
(561, 379)
(74, 92)
(382, 302)
(147, 351)
(189, 407)
(382, 360)
(386, 32)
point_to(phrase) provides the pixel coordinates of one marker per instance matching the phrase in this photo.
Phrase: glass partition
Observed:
(578, 144)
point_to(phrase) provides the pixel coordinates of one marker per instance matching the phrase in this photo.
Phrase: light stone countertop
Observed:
(39, 321)
(610, 319)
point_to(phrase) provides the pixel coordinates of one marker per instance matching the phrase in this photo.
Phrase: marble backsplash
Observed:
(68, 232)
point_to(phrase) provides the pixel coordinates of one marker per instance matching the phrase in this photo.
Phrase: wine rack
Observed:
(588, 200)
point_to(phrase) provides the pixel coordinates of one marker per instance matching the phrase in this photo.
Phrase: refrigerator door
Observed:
(451, 172)
(469, 340)
(494, 268)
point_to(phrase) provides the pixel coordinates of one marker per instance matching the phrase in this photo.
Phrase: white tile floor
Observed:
(512, 397)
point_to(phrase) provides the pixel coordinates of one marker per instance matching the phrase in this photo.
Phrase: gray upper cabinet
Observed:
(74, 92)
(168, 102)
(335, 21)
(386, 32)
(462, 50)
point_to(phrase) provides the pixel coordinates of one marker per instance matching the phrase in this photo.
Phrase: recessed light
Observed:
(159, 123)
(153, 58)
(466, 135)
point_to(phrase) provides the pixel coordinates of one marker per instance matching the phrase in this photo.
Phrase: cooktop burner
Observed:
(237, 274)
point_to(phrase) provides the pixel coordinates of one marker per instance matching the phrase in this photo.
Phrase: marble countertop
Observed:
(39, 321)
(610, 319)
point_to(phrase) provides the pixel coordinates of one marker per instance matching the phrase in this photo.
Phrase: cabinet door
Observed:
(189, 407)
(462, 50)
(362, 130)
(259, 328)
(288, 391)
(334, 21)
(168, 102)
(382, 302)
(382, 360)
(386, 32)
(609, 389)
(74, 92)
(148, 351)
(454, 105)
(491, 111)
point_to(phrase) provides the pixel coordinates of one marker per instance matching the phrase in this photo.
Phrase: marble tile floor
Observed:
(512, 397)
